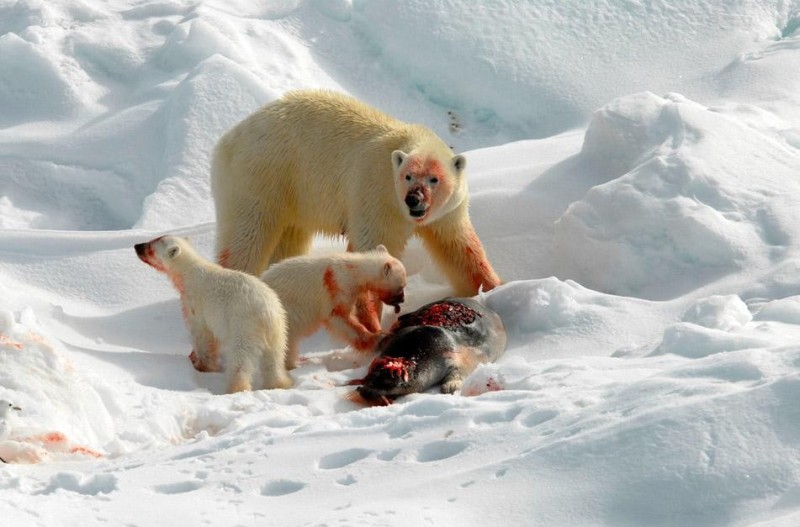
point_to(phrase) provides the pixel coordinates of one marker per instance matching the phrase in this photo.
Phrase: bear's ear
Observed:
(459, 163)
(398, 156)
(381, 249)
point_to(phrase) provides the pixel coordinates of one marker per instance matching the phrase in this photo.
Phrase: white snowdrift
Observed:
(652, 298)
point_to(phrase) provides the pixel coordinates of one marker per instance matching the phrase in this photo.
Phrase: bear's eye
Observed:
(408, 177)
(434, 180)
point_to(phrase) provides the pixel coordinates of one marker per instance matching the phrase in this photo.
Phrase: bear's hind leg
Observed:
(294, 241)
(292, 352)
(240, 363)
(273, 369)
(246, 242)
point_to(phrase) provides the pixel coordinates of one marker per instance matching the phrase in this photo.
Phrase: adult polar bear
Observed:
(318, 161)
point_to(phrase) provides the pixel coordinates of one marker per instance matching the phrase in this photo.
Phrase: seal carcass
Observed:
(440, 343)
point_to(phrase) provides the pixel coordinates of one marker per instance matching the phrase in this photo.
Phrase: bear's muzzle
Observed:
(416, 202)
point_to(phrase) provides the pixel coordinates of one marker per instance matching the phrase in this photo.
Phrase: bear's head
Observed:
(162, 252)
(391, 283)
(429, 182)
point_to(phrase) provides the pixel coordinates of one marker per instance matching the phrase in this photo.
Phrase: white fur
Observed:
(227, 310)
(317, 161)
(322, 290)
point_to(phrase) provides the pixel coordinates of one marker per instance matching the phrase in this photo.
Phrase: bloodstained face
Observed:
(156, 251)
(424, 183)
(391, 285)
(146, 253)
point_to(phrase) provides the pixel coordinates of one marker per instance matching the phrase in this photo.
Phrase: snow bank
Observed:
(688, 199)
(135, 96)
(651, 296)
(62, 414)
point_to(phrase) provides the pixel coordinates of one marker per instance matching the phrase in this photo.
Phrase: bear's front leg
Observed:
(205, 351)
(292, 352)
(369, 311)
(455, 247)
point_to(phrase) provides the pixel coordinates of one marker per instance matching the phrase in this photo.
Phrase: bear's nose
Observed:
(412, 200)
(140, 248)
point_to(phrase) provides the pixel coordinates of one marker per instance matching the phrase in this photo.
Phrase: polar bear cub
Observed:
(322, 290)
(227, 312)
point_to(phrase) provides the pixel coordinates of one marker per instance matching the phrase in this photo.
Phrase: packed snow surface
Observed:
(634, 173)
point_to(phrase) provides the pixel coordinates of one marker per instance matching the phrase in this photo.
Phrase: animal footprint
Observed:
(439, 450)
(453, 122)
(281, 487)
(347, 480)
(343, 458)
(388, 455)
(538, 417)
(490, 418)
(178, 488)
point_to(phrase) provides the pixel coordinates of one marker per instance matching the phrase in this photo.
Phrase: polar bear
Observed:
(226, 311)
(322, 290)
(317, 161)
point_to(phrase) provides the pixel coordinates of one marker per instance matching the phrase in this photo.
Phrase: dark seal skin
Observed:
(440, 343)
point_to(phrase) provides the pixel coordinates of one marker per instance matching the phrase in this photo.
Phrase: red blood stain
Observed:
(369, 313)
(339, 311)
(442, 314)
(86, 451)
(414, 165)
(151, 259)
(482, 273)
(57, 442)
(492, 385)
(421, 167)
(331, 285)
(177, 281)
(357, 398)
(202, 366)
(51, 438)
(212, 354)
(364, 344)
(35, 337)
(434, 168)
(5, 340)
(399, 367)
(224, 257)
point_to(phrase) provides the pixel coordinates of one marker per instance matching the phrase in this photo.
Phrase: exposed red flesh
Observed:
(396, 366)
(442, 314)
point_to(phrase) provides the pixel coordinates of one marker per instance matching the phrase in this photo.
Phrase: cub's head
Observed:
(391, 282)
(429, 182)
(161, 253)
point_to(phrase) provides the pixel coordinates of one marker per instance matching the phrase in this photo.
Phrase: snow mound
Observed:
(688, 199)
(213, 97)
(63, 415)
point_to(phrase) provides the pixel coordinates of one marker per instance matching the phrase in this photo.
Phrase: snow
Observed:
(633, 171)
